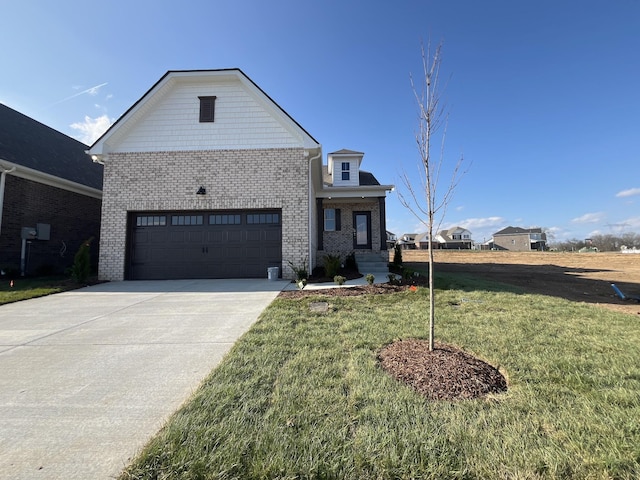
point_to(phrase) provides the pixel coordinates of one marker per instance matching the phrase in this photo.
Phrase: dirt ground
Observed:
(580, 277)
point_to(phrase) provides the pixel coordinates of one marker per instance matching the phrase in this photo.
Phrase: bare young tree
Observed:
(423, 198)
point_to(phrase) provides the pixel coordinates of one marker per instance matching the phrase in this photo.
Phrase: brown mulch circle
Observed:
(446, 373)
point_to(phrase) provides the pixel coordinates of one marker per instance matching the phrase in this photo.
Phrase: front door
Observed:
(362, 230)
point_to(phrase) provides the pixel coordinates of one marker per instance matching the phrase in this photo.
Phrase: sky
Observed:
(542, 97)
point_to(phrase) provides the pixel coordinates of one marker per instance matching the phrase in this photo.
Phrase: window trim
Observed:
(336, 220)
(346, 171)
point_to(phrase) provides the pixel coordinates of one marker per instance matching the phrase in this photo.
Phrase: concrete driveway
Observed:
(88, 376)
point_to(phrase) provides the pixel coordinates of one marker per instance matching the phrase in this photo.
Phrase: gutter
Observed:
(312, 201)
(3, 175)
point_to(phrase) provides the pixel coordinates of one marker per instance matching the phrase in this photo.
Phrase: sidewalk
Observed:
(380, 277)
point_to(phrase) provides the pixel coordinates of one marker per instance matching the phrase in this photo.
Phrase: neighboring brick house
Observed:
(207, 177)
(50, 196)
(520, 239)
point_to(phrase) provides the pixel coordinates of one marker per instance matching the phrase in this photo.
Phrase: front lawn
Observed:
(13, 290)
(301, 395)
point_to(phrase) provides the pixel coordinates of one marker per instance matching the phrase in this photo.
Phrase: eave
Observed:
(51, 180)
(369, 191)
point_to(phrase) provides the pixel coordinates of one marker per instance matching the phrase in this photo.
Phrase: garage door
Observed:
(212, 244)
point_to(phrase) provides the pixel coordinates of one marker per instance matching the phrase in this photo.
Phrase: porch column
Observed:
(383, 223)
(320, 224)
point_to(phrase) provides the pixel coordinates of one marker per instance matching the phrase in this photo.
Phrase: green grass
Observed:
(25, 288)
(301, 395)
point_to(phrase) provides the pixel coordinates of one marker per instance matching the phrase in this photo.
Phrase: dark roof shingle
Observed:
(29, 143)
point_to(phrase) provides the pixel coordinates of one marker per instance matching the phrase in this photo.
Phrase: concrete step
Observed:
(372, 263)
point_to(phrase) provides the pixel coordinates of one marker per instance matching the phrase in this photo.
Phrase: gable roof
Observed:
(346, 151)
(171, 77)
(447, 235)
(517, 231)
(28, 143)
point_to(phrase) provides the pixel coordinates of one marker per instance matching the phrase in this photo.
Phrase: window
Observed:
(224, 219)
(187, 220)
(331, 219)
(207, 109)
(264, 218)
(151, 221)
(345, 171)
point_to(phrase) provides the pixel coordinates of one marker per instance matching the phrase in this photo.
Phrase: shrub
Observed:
(339, 279)
(82, 263)
(300, 271)
(370, 278)
(397, 255)
(331, 265)
(350, 262)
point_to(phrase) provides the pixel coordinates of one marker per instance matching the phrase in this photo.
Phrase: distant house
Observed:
(520, 239)
(454, 238)
(407, 241)
(421, 241)
(392, 239)
(50, 196)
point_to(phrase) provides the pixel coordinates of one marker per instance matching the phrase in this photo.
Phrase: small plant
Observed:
(397, 255)
(331, 265)
(301, 272)
(370, 278)
(350, 262)
(339, 279)
(393, 279)
(81, 267)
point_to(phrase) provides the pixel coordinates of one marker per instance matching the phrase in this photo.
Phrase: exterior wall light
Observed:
(201, 191)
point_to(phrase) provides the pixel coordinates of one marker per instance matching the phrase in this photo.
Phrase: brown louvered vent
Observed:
(207, 109)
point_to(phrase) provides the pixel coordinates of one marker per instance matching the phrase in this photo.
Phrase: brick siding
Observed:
(341, 241)
(73, 217)
(234, 179)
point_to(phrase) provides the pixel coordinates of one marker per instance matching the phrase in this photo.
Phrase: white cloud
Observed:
(632, 223)
(628, 193)
(476, 223)
(589, 218)
(91, 128)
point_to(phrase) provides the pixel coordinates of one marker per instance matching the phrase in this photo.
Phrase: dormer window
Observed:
(345, 171)
(207, 109)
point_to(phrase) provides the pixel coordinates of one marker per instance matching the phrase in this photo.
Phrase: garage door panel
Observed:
(236, 249)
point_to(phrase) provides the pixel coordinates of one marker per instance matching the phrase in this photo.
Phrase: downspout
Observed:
(3, 175)
(312, 204)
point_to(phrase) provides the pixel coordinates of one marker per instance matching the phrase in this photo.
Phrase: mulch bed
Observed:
(446, 373)
(345, 291)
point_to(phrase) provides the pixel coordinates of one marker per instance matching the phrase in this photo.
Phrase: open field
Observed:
(581, 277)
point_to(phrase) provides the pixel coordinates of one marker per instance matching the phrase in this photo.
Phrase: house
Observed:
(454, 238)
(207, 177)
(50, 197)
(421, 241)
(520, 239)
(407, 241)
(392, 239)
